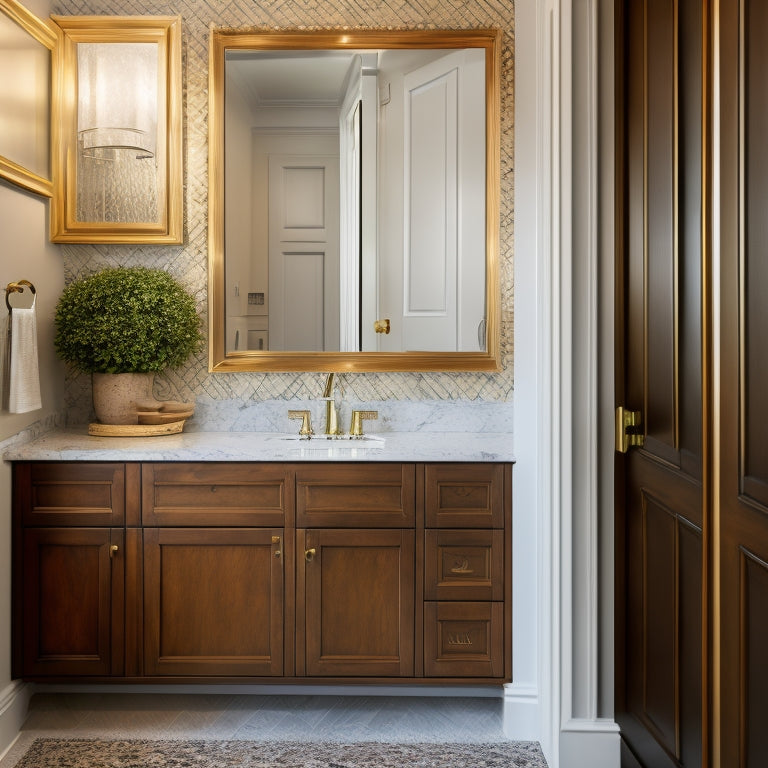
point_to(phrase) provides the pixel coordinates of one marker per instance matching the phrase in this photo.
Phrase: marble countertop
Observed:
(75, 444)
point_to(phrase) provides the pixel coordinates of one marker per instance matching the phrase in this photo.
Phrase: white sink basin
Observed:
(335, 441)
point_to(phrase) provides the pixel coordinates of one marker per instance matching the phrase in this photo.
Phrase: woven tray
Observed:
(136, 430)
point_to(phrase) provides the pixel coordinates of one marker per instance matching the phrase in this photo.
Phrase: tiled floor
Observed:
(258, 717)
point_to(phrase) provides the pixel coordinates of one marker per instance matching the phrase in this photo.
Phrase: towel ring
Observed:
(17, 288)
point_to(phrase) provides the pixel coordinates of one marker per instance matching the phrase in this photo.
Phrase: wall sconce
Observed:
(117, 100)
(117, 130)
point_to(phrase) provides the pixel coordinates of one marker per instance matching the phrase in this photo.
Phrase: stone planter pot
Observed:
(115, 396)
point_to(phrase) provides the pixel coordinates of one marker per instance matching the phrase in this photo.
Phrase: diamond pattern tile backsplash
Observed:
(188, 262)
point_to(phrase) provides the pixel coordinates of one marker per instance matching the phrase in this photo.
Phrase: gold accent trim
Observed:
(40, 31)
(166, 32)
(221, 361)
(710, 491)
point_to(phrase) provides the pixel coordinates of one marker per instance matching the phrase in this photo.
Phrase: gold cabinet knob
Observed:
(309, 554)
(112, 550)
(381, 326)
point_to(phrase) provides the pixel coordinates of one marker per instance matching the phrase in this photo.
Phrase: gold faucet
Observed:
(331, 415)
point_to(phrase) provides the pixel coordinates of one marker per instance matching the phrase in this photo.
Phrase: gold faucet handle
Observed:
(356, 427)
(306, 421)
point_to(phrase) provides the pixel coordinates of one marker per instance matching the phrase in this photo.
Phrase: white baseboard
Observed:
(590, 744)
(14, 703)
(521, 712)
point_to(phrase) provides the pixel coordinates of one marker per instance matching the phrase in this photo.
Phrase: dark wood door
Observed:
(659, 525)
(740, 514)
(355, 602)
(72, 603)
(213, 601)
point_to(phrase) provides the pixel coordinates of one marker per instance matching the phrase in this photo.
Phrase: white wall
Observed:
(563, 375)
(26, 254)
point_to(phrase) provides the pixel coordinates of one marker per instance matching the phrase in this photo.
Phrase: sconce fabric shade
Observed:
(117, 99)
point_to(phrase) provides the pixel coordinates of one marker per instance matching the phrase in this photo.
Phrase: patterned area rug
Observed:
(95, 753)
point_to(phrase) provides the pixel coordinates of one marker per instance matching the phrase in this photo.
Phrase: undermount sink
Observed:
(343, 442)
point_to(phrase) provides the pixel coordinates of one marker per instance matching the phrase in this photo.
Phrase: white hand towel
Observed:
(21, 375)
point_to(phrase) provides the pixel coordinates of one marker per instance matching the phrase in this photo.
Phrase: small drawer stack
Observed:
(465, 573)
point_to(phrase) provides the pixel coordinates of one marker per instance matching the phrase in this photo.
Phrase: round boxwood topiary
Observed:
(126, 320)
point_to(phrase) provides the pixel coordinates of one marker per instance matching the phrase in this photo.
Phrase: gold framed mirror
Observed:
(117, 122)
(411, 216)
(26, 44)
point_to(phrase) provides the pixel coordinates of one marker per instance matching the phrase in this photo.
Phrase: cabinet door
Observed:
(355, 602)
(213, 601)
(72, 606)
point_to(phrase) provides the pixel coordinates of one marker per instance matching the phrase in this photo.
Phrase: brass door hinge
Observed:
(629, 429)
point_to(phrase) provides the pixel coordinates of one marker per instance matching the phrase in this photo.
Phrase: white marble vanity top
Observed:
(75, 444)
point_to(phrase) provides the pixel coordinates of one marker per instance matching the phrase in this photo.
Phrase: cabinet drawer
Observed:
(464, 565)
(463, 640)
(209, 494)
(70, 494)
(464, 495)
(357, 496)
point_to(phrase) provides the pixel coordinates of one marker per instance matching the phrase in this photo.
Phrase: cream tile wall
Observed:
(189, 261)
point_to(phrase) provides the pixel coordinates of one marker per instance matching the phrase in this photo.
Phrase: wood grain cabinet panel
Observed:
(355, 496)
(464, 565)
(464, 495)
(213, 601)
(216, 494)
(463, 639)
(70, 494)
(324, 571)
(71, 608)
(356, 616)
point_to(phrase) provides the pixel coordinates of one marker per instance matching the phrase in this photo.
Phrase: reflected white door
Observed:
(442, 305)
(304, 253)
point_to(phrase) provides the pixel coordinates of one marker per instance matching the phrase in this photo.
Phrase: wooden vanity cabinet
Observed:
(214, 552)
(213, 601)
(467, 570)
(355, 570)
(69, 568)
(312, 571)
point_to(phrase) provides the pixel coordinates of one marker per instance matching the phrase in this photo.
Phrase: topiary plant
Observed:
(126, 320)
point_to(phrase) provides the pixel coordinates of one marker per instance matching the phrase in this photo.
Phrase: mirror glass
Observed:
(357, 181)
(25, 50)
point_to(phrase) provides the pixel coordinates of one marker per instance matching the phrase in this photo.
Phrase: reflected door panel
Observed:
(303, 253)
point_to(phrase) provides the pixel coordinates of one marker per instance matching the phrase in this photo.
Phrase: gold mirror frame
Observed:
(9, 170)
(165, 31)
(222, 361)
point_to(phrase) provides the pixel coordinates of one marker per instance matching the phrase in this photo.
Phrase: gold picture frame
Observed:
(33, 88)
(222, 360)
(117, 183)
